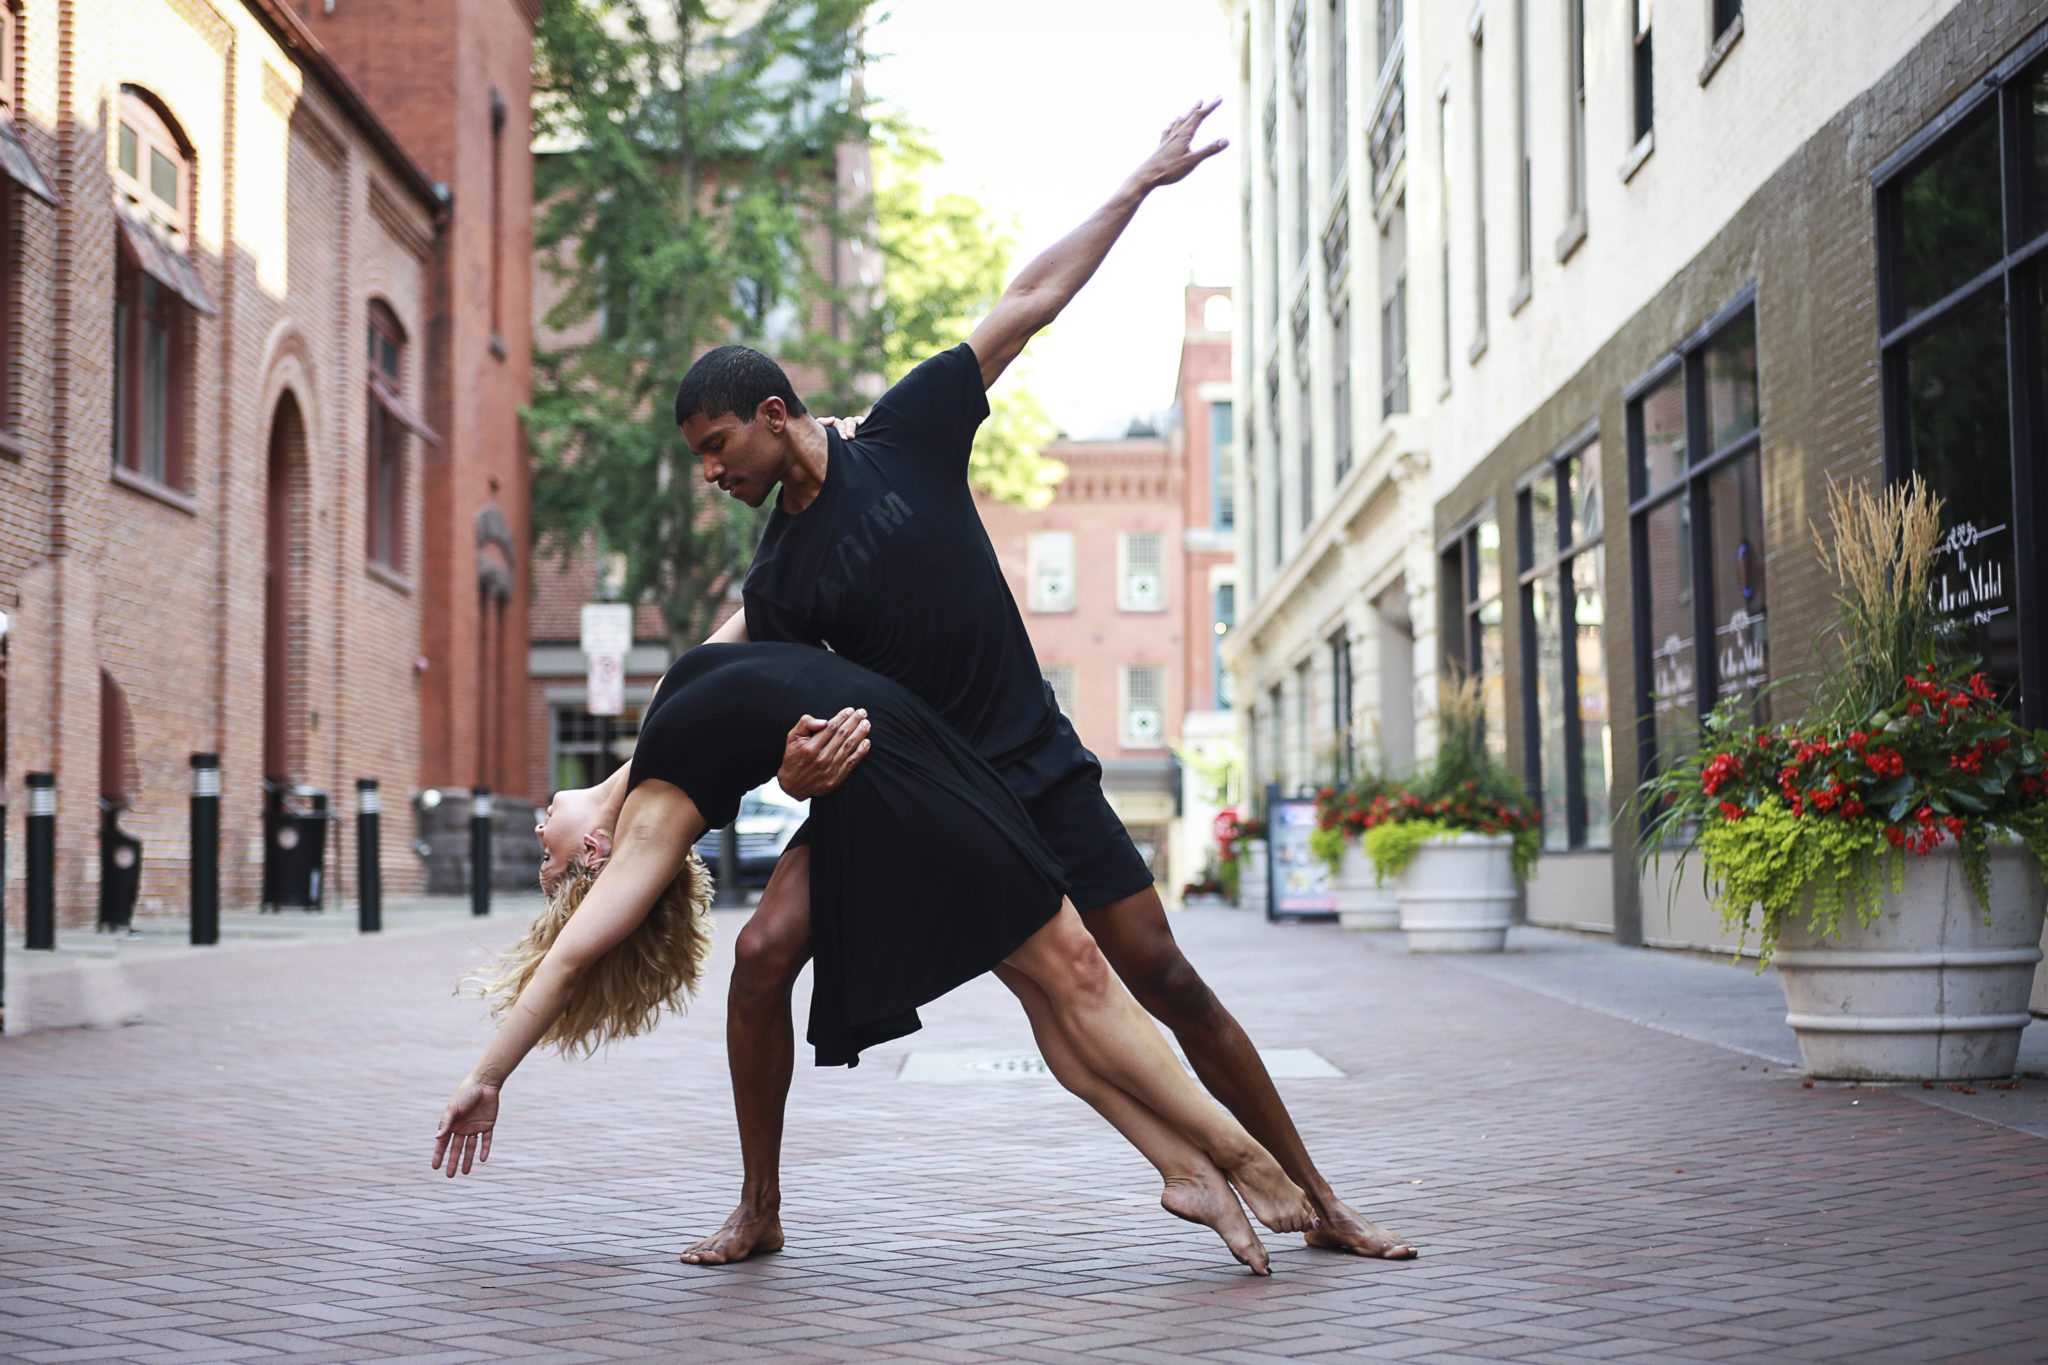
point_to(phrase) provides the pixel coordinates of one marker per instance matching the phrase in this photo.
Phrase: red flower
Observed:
(1896, 835)
(1954, 824)
(1731, 812)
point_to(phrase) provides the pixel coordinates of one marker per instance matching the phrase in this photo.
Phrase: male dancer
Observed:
(876, 551)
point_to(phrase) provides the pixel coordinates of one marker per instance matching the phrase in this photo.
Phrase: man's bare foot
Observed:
(746, 1232)
(1345, 1229)
(1274, 1200)
(1209, 1200)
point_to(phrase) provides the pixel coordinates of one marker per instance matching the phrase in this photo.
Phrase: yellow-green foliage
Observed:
(1392, 846)
(1328, 844)
(1770, 862)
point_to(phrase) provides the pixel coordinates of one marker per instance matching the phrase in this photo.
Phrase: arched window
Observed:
(386, 446)
(155, 294)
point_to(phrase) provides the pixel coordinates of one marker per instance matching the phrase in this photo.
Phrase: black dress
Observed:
(925, 869)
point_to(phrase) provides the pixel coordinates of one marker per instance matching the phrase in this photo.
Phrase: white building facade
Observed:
(1556, 315)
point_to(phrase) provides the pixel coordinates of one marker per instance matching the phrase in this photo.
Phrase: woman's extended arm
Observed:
(655, 832)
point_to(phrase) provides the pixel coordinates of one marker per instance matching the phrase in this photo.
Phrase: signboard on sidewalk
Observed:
(1299, 885)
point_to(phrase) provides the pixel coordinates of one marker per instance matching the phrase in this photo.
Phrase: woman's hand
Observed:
(465, 1131)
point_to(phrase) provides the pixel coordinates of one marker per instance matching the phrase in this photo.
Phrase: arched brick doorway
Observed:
(284, 597)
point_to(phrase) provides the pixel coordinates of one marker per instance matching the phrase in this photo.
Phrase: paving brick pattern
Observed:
(244, 1175)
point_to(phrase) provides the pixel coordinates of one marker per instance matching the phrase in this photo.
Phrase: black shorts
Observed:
(1060, 783)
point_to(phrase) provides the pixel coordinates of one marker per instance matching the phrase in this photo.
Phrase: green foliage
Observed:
(1767, 865)
(945, 261)
(1327, 842)
(698, 161)
(1394, 844)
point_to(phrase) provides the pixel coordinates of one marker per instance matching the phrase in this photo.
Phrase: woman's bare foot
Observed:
(747, 1231)
(1209, 1200)
(1274, 1200)
(1345, 1229)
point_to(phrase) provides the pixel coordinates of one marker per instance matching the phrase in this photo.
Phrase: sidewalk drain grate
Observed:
(956, 1068)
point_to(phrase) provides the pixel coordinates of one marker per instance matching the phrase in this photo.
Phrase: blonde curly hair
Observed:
(656, 968)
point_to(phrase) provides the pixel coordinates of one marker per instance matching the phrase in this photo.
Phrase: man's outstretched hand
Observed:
(820, 753)
(1176, 154)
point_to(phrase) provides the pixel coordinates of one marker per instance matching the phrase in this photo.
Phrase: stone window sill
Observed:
(1478, 349)
(1519, 300)
(1574, 233)
(389, 577)
(1640, 153)
(150, 488)
(1720, 50)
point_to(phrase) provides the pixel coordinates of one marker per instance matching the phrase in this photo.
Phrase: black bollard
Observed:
(369, 875)
(42, 863)
(205, 849)
(480, 852)
(725, 887)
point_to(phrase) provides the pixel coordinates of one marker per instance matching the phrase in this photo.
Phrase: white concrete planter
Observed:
(1251, 882)
(1362, 903)
(1458, 894)
(1928, 991)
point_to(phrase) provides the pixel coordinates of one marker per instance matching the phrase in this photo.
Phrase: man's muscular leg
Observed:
(760, 1047)
(1134, 936)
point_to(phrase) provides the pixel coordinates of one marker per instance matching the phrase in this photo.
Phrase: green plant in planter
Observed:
(1906, 749)
(1465, 791)
(1340, 816)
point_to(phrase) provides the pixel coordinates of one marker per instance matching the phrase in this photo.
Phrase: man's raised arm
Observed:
(1050, 282)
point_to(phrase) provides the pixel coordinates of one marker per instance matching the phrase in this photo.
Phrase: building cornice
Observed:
(1398, 458)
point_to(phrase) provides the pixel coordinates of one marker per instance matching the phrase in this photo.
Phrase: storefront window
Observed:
(1698, 527)
(1564, 672)
(1961, 295)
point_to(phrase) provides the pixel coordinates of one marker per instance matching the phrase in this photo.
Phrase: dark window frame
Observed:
(1642, 69)
(1692, 486)
(1346, 761)
(2018, 278)
(1556, 562)
(385, 449)
(1463, 610)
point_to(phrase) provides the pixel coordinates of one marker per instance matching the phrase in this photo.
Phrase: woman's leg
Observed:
(1195, 1189)
(1115, 1040)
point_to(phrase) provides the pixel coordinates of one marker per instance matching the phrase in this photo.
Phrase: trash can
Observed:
(120, 870)
(294, 846)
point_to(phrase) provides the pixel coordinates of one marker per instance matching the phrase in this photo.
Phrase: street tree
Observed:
(945, 260)
(689, 206)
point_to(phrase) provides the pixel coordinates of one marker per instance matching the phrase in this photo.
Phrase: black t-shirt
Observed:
(891, 567)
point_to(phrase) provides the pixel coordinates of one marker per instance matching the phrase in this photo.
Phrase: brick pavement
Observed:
(244, 1175)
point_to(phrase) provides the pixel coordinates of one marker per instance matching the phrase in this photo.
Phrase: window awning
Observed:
(164, 263)
(19, 165)
(388, 398)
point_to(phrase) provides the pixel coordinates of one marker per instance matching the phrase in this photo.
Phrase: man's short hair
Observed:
(736, 380)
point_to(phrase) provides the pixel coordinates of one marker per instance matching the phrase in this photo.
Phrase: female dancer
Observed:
(925, 873)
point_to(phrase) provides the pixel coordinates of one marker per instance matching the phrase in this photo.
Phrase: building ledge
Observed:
(1638, 154)
(158, 492)
(388, 576)
(1573, 235)
(1519, 300)
(1720, 50)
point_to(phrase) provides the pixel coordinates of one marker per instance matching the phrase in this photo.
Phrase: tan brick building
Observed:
(187, 475)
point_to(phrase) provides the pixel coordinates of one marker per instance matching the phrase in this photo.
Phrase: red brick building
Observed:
(1123, 578)
(220, 329)
(454, 81)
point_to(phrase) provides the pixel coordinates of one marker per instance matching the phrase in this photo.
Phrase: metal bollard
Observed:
(42, 863)
(205, 849)
(480, 852)
(725, 886)
(369, 874)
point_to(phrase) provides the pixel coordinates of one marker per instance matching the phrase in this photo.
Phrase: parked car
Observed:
(768, 817)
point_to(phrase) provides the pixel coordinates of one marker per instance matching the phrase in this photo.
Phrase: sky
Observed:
(1041, 111)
